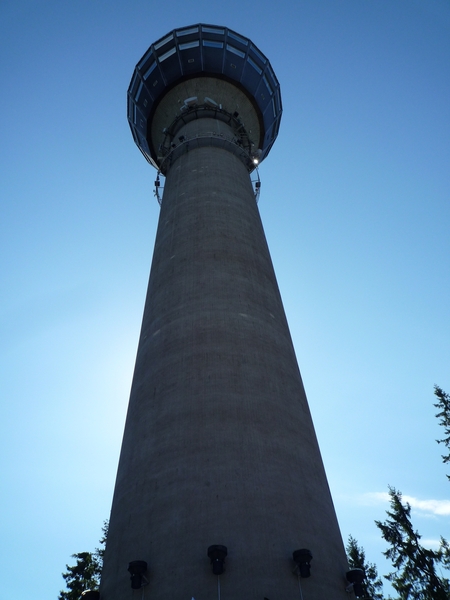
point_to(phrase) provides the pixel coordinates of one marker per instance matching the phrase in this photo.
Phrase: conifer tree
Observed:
(443, 415)
(372, 586)
(443, 405)
(86, 573)
(416, 568)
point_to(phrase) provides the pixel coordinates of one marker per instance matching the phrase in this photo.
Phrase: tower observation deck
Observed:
(220, 478)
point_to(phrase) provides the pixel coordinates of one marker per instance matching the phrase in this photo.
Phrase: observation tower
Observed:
(220, 491)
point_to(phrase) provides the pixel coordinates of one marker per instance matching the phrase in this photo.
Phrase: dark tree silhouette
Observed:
(415, 576)
(85, 574)
(372, 586)
(443, 415)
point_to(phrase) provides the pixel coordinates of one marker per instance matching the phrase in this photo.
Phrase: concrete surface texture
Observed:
(219, 446)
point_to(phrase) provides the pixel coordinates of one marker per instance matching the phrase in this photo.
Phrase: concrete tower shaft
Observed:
(219, 446)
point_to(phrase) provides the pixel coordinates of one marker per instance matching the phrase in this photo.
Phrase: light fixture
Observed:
(355, 577)
(302, 559)
(217, 554)
(210, 102)
(257, 156)
(137, 568)
(192, 101)
(90, 595)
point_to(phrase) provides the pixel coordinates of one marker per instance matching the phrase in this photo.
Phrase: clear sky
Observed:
(355, 204)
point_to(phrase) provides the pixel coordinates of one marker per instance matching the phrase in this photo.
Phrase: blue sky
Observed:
(355, 205)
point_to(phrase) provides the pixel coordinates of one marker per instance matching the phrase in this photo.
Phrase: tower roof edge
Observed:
(203, 50)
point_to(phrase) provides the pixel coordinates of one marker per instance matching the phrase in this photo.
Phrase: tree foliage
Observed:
(416, 568)
(100, 552)
(85, 574)
(443, 415)
(372, 586)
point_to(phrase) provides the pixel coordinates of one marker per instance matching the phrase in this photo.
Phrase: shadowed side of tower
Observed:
(219, 446)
